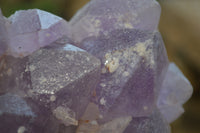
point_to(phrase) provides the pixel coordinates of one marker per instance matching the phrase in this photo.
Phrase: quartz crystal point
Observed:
(103, 16)
(133, 62)
(59, 78)
(175, 91)
(31, 29)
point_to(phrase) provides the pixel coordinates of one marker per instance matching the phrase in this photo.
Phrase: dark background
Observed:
(180, 28)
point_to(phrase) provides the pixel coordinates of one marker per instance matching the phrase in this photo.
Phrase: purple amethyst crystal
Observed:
(130, 65)
(29, 30)
(175, 91)
(117, 79)
(64, 76)
(103, 16)
(59, 77)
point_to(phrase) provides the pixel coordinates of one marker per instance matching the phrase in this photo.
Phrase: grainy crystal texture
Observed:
(104, 71)
(103, 16)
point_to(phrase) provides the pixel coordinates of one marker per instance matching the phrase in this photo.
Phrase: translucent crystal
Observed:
(175, 91)
(103, 16)
(59, 78)
(131, 68)
(31, 29)
(115, 78)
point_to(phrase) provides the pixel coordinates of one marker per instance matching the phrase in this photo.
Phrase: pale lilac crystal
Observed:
(102, 16)
(59, 77)
(130, 66)
(175, 91)
(118, 79)
(31, 29)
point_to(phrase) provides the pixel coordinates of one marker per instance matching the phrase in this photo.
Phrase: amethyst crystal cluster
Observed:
(104, 71)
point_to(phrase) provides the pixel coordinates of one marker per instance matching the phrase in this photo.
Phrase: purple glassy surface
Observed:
(28, 30)
(175, 91)
(21, 115)
(130, 61)
(119, 80)
(60, 77)
(154, 123)
(3, 35)
(103, 16)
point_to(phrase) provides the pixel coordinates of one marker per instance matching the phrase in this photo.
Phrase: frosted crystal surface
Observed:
(103, 16)
(104, 71)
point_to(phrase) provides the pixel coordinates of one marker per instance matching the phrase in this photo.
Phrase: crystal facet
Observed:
(103, 16)
(106, 71)
(129, 71)
(175, 91)
(29, 30)
(154, 123)
(58, 77)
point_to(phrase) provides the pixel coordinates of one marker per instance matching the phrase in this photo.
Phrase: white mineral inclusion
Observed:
(103, 101)
(69, 47)
(52, 98)
(117, 125)
(66, 115)
(141, 49)
(21, 129)
(47, 19)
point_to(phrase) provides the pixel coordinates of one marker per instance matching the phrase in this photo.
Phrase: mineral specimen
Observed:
(57, 77)
(105, 71)
(131, 69)
(32, 29)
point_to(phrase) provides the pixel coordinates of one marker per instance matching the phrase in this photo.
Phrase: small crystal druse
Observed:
(104, 71)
